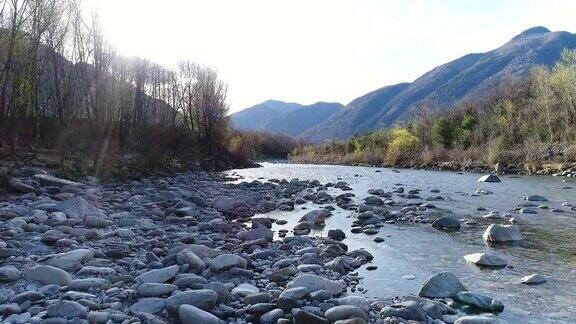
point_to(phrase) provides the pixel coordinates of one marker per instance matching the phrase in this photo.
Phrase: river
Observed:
(413, 252)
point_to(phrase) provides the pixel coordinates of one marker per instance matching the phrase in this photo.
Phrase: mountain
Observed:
(283, 117)
(470, 76)
(254, 117)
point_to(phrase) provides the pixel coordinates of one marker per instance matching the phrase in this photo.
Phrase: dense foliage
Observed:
(259, 145)
(523, 122)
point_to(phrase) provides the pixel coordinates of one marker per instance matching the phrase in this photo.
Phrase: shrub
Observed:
(401, 144)
(443, 132)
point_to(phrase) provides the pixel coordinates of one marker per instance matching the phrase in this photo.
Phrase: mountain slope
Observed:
(467, 77)
(285, 118)
(295, 122)
(254, 117)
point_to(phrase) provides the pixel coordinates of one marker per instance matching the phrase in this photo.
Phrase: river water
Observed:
(411, 253)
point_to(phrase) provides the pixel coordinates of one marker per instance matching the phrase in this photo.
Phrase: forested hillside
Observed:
(527, 124)
(63, 87)
(471, 76)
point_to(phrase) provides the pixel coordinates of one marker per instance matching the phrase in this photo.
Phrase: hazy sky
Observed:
(319, 50)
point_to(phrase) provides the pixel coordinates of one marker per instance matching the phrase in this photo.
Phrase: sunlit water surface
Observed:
(411, 253)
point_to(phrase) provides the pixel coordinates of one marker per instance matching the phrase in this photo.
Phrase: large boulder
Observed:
(190, 314)
(441, 285)
(228, 261)
(502, 233)
(313, 283)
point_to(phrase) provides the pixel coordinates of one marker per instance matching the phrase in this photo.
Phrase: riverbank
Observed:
(553, 168)
(195, 248)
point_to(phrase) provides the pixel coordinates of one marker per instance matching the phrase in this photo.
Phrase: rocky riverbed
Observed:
(197, 248)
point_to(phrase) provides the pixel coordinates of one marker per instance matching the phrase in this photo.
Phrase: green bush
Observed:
(401, 144)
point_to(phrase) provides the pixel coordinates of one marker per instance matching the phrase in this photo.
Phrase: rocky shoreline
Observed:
(189, 248)
(557, 169)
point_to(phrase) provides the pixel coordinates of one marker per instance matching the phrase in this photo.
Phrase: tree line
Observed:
(522, 123)
(64, 87)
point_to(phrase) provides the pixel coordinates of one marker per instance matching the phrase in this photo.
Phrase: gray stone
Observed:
(535, 198)
(408, 310)
(77, 208)
(255, 234)
(150, 305)
(67, 309)
(49, 180)
(272, 316)
(486, 260)
(158, 275)
(228, 261)
(304, 317)
(190, 314)
(313, 283)
(23, 318)
(196, 264)
(155, 289)
(9, 273)
(336, 234)
(243, 290)
(342, 312)
(441, 285)
(315, 216)
(446, 222)
(68, 265)
(480, 301)
(203, 298)
(97, 317)
(96, 221)
(502, 233)
(48, 275)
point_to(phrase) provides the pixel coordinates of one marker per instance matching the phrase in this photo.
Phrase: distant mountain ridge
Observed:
(283, 117)
(470, 76)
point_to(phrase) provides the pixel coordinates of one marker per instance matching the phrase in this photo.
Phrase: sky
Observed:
(307, 51)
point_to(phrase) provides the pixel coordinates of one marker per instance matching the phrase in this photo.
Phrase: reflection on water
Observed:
(411, 253)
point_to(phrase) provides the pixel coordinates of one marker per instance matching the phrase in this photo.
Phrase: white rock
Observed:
(502, 233)
(533, 279)
(485, 260)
